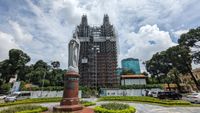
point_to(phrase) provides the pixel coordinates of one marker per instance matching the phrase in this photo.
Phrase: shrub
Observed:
(86, 103)
(144, 99)
(88, 92)
(25, 109)
(6, 87)
(114, 108)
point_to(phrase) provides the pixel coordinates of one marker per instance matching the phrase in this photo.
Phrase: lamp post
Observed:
(43, 83)
(44, 75)
(189, 70)
(96, 50)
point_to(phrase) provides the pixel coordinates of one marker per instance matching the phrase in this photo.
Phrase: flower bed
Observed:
(25, 109)
(144, 99)
(114, 108)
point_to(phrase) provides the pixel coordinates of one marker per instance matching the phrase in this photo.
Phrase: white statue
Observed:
(74, 48)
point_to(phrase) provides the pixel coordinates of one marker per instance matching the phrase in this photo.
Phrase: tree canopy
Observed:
(35, 74)
(176, 57)
(9, 67)
(191, 40)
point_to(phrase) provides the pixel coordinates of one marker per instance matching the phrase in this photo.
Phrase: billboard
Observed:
(15, 87)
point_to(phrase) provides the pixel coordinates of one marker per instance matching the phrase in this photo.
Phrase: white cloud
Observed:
(21, 36)
(194, 66)
(146, 42)
(48, 25)
(6, 43)
(180, 32)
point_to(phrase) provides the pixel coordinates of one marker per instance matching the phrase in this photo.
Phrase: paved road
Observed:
(1, 101)
(142, 108)
(147, 108)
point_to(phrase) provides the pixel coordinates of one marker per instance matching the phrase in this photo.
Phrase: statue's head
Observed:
(74, 35)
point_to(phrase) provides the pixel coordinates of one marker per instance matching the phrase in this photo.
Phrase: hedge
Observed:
(49, 88)
(34, 100)
(100, 109)
(41, 100)
(139, 86)
(144, 99)
(86, 103)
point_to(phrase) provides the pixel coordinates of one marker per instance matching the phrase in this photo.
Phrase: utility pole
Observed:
(43, 83)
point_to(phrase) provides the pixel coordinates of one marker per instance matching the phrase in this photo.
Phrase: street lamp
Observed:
(96, 50)
(43, 83)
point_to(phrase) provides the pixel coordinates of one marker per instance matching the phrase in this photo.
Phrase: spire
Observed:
(84, 20)
(106, 28)
(83, 28)
(106, 20)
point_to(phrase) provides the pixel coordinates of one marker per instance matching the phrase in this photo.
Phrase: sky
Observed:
(43, 28)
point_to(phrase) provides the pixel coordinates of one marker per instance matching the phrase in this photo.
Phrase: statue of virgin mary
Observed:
(74, 49)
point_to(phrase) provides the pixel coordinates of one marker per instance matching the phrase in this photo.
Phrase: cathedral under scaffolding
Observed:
(98, 54)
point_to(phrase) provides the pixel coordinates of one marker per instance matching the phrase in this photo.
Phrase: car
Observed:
(17, 96)
(155, 94)
(193, 98)
(2, 96)
(169, 95)
(148, 93)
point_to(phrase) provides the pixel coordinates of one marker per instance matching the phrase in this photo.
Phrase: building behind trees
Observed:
(132, 65)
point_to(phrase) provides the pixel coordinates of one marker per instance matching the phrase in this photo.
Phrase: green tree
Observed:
(177, 57)
(41, 64)
(191, 40)
(34, 73)
(168, 80)
(10, 67)
(42, 71)
(5, 67)
(181, 59)
(158, 65)
(5, 87)
(56, 75)
(17, 59)
(173, 77)
(23, 74)
(55, 64)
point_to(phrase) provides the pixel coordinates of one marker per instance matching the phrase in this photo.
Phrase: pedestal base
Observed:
(69, 101)
(67, 108)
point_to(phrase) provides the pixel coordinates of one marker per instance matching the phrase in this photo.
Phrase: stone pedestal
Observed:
(70, 100)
